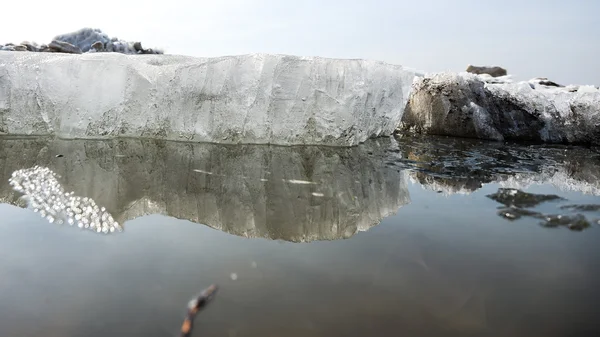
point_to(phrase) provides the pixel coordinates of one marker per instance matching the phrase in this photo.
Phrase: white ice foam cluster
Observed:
(45, 194)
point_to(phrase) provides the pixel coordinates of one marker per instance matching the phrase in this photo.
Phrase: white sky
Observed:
(531, 38)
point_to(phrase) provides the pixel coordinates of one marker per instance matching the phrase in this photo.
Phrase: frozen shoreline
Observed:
(275, 99)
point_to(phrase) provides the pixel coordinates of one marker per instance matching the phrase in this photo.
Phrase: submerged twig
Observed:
(194, 307)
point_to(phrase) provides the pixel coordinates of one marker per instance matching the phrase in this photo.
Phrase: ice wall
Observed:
(256, 98)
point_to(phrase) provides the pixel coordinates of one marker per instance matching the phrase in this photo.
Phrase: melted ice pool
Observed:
(419, 237)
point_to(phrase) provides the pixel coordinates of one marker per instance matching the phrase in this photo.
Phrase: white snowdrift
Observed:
(256, 98)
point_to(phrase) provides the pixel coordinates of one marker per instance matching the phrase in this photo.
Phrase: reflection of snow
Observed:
(299, 182)
(560, 179)
(206, 172)
(430, 184)
(46, 195)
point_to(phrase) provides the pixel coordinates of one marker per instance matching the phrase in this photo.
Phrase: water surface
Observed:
(394, 237)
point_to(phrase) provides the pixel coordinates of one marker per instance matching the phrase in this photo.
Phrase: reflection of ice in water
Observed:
(46, 195)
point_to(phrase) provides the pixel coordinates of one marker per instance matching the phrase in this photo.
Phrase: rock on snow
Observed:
(464, 105)
(257, 98)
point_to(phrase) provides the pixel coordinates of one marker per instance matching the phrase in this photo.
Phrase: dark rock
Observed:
(31, 46)
(492, 71)
(546, 82)
(86, 39)
(98, 46)
(138, 46)
(140, 50)
(464, 108)
(64, 47)
(82, 41)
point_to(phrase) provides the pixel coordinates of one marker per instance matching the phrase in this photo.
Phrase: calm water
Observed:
(397, 237)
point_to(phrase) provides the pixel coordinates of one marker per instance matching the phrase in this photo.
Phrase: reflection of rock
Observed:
(517, 198)
(454, 165)
(463, 105)
(514, 213)
(289, 193)
(577, 222)
(295, 193)
(582, 208)
(517, 201)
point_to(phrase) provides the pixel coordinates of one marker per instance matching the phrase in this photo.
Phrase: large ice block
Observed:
(256, 98)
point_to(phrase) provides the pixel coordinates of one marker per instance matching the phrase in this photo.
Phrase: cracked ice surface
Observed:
(257, 98)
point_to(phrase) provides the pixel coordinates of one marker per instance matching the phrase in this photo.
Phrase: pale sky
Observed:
(531, 38)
